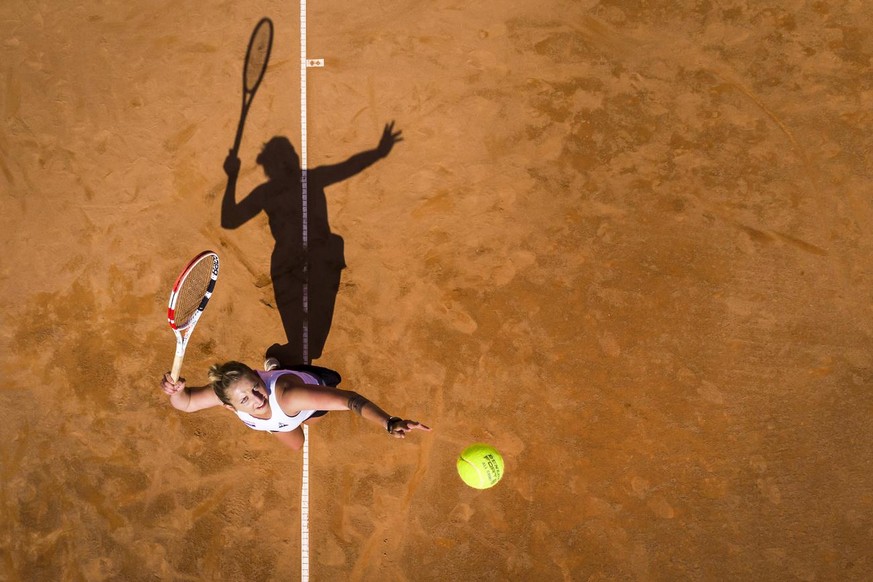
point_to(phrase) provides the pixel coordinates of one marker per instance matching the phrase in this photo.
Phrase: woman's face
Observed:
(249, 395)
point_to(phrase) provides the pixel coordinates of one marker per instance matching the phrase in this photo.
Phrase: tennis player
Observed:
(280, 401)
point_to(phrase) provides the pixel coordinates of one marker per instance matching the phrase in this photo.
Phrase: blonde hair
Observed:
(223, 376)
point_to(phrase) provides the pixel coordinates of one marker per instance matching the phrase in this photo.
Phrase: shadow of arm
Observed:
(233, 214)
(359, 162)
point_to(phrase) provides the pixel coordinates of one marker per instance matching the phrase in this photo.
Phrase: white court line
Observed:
(304, 179)
(304, 167)
(304, 488)
(304, 510)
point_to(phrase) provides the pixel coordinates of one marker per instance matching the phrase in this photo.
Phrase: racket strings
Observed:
(192, 291)
(260, 51)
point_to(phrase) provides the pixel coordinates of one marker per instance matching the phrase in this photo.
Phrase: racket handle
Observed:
(177, 367)
(240, 126)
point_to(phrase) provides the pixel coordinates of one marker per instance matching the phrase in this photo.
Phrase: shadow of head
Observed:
(279, 159)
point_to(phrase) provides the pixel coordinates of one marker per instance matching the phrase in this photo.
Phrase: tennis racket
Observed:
(188, 299)
(257, 56)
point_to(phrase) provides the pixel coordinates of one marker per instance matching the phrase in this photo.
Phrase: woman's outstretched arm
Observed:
(295, 397)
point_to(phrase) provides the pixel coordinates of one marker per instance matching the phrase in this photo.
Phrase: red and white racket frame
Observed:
(183, 334)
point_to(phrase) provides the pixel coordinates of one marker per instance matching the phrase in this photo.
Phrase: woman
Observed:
(280, 401)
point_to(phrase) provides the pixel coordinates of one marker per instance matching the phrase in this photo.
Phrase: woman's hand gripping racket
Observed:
(257, 57)
(188, 299)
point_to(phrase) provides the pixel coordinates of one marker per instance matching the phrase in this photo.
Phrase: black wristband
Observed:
(390, 425)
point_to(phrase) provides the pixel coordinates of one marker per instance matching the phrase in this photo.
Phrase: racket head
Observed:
(258, 55)
(192, 290)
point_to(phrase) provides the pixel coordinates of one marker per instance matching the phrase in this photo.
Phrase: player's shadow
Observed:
(280, 197)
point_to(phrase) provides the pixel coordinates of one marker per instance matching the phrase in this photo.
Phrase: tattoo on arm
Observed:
(356, 404)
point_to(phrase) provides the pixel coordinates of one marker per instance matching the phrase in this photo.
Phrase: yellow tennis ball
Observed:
(480, 466)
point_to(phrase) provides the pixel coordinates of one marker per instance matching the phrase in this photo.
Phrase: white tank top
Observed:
(278, 421)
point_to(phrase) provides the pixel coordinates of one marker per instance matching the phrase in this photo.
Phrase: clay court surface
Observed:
(629, 247)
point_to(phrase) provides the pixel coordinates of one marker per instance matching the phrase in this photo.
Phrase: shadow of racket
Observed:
(257, 57)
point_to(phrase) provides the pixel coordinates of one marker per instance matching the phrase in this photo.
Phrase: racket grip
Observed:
(177, 367)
